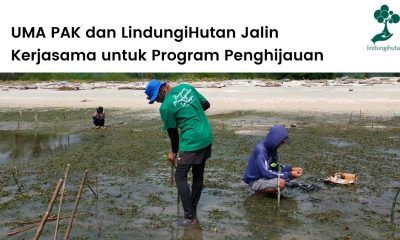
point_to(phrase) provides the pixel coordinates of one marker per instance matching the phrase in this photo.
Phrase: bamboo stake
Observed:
(348, 123)
(20, 116)
(49, 207)
(78, 197)
(16, 180)
(34, 223)
(278, 182)
(393, 206)
(91, 189)
(61, 201)
(30, 221)
(23, 229)
(51, 218)
(172, 174)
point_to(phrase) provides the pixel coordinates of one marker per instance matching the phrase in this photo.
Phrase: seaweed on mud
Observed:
(127, 170)
(328, 216)
(217, 214)
(153, 199)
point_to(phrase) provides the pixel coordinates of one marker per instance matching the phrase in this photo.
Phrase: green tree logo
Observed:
(383, 15)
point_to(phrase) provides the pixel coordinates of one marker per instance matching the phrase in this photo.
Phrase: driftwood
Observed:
(48, 211)
(78, 197)
(61, 201)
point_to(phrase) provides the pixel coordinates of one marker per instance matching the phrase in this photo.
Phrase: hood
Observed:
(275, 136)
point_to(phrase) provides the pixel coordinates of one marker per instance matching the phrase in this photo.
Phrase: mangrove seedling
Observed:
(274, 165)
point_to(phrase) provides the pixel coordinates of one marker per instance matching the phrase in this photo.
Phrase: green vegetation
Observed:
(92, 77)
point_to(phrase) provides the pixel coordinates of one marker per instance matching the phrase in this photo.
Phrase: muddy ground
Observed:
(135, 200)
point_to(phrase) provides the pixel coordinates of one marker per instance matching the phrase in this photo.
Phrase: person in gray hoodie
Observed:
(262, 169)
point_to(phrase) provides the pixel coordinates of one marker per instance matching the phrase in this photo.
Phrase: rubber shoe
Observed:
(186, 222)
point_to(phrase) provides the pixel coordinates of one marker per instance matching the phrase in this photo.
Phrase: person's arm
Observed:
(205, 104)
(287, 168)
(169, 120)
(266, 172)
(174, 137)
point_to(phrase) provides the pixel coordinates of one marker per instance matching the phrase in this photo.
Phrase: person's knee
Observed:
(282, 183)
(180, 176)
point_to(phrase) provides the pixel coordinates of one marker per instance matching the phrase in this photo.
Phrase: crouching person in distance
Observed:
(99, 117)
(262, 169)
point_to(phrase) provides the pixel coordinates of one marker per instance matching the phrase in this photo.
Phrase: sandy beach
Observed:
(381, 99)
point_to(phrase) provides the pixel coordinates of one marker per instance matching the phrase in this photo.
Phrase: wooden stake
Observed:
(35, 223)
(23, 229)
(61, 201)
(394, 206)
(348, 123)
(91, 189)
(78, 197)
(16, 180)
(49, 207)
(172, 174)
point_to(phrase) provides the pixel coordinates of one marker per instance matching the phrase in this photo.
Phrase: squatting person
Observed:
(183, 107)
(262, 169)
(99, 117)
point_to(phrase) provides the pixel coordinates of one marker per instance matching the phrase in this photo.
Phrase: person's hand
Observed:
(296, 173)
(171, 157)
(298, 169)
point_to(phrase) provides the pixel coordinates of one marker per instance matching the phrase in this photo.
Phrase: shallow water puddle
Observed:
(16, 146)
(250, 132)
(337, 142)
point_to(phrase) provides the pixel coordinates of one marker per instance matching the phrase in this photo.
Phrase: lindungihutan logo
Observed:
(385, 16)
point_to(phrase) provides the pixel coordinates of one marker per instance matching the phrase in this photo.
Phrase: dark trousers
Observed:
(98, 122)
(190, 199)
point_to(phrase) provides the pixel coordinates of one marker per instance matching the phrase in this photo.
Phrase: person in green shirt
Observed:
(182, 107)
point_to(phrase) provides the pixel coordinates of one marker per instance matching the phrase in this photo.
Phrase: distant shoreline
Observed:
(375, 97)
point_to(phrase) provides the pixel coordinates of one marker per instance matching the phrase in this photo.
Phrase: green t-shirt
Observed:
(182, 109)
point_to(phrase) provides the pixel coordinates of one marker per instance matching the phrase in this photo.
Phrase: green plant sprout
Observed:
(274, 165)
(385, 16)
